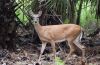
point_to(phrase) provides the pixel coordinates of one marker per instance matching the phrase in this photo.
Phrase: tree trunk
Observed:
(98, 13)
(8, 24)
(79, 12)
(98, 9)
(71, 11)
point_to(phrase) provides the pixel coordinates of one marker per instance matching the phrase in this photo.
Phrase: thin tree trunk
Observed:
(71, 11)
(98, 12)
(79, 12)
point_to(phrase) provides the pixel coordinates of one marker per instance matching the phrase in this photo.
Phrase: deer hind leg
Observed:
(42, 50)
(79, 45)
(72, 49)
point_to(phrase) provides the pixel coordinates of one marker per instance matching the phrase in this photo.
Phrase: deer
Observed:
(54, 34)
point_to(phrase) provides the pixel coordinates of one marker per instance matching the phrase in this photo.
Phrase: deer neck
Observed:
(37, 27)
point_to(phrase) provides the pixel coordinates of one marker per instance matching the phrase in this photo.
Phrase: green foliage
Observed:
(66, 21)
(21, 12)
(59, 7)
(88, 18)
(59, 61)
(21, 16)
(87, 15)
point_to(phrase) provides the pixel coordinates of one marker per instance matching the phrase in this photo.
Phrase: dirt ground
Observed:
(28, 55)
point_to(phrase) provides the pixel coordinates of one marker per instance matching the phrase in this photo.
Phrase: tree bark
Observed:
(8, 25)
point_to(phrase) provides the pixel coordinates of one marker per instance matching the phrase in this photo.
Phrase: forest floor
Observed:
(28, 55)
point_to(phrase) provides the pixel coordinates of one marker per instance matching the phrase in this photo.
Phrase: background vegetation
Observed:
(67, 10)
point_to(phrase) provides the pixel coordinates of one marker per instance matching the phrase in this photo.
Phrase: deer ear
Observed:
(39, 13)
(31, 13)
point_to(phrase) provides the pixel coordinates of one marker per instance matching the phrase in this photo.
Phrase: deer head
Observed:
(35, 17)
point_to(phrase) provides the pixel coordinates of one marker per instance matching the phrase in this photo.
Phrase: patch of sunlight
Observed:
(93, 64)
(59, 61)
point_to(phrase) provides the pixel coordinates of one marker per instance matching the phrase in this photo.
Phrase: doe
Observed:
(71, 33)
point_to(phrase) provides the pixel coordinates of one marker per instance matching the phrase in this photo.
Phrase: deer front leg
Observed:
(42, 50)
(54, 51)
(79, 45)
